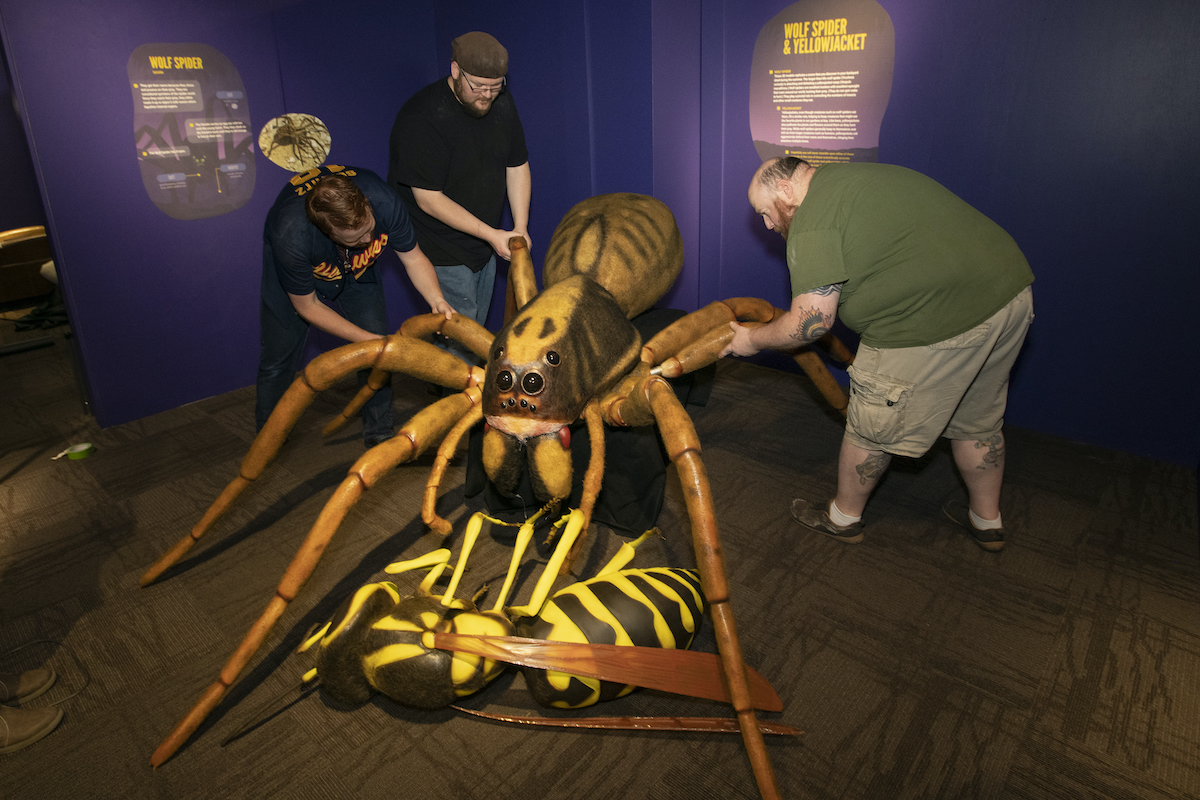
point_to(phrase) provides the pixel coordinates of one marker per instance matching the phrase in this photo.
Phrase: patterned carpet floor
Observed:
(919, 666)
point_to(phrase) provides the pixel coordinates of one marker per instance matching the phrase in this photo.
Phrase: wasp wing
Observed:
(684, 672)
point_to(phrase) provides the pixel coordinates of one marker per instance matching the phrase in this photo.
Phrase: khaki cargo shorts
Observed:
(902, 399)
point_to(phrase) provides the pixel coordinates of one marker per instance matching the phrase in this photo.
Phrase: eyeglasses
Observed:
(496, 90)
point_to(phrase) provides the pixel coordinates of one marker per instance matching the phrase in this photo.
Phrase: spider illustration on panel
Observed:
(296, 142)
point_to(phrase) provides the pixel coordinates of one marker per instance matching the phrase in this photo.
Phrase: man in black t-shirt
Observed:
(321, 240)
(457, 152)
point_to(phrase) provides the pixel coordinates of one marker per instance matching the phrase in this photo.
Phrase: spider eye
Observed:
(499, 353)
(504, 381)
(552, 358)
(533, 383)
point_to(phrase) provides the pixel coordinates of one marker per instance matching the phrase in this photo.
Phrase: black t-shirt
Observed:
(437, 145)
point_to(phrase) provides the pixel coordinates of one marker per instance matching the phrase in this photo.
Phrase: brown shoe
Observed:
(26, 686)
(958, 511)
(817, 519)
(21, 727)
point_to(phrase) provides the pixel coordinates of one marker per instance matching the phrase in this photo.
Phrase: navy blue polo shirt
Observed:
(298, 259)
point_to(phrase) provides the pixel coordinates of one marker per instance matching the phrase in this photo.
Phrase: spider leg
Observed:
(673, 338)
(657, 399)
(444, 454)
(466, 331)
(522, 285)
(397, 353)
(592, 479)
(426, 426)
(698, 339)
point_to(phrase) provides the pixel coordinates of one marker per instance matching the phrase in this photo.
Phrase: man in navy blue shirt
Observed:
(320, 244)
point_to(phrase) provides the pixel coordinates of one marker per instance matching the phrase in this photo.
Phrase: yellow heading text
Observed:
(176, 62)
(820, 36)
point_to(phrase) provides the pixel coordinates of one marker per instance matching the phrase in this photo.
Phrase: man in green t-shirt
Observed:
(940, 296)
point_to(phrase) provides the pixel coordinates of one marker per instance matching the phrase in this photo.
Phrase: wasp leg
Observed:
(434, 558)
(524, 537)
(426, 426)
(624, 554)
(552, 570)
(474, 526)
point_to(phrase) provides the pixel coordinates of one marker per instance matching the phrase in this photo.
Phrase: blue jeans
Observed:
(282, 344)
(470, 293)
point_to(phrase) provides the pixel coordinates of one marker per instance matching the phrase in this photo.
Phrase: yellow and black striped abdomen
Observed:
(377, 643)
(659, 607)
(627, 243)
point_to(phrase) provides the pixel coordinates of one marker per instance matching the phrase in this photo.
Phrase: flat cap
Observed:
(478, 53)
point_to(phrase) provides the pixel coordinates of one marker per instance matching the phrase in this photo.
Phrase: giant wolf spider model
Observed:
(566, 353)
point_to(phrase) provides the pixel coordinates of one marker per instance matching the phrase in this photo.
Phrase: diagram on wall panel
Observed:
(820, 81)
(191, 124)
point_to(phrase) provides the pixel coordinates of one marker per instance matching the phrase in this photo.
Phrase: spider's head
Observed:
(567, 345)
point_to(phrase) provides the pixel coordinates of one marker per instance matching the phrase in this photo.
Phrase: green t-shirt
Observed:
(918, 265)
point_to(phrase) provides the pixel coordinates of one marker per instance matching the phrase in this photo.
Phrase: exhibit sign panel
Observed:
(820, 81)
(191, 123)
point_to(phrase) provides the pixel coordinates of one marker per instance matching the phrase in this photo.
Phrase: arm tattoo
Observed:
(812, 326)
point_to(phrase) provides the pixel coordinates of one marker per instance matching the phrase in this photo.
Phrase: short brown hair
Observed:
(336, 202)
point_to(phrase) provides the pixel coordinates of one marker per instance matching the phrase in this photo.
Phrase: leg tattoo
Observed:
(994, 457)
(873, 467)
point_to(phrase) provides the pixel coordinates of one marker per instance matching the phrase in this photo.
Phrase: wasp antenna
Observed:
(259, 718)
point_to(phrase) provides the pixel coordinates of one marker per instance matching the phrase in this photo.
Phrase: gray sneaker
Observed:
(26, 686)
(957, 511)
(817, 519)
(21, 727)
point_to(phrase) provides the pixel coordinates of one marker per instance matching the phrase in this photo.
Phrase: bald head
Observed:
(776, 190)
(773, 170)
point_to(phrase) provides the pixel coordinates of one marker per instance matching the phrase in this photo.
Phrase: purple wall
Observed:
(676, 133)
(357, 98)
(20, 202)
(164, 310)
(1071, 124)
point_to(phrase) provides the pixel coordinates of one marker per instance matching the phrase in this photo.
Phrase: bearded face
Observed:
(475, 103)
(782, 218)
(773, 207)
